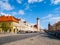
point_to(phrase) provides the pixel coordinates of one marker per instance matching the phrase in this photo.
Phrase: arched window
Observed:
(10, 30)
(14, 30)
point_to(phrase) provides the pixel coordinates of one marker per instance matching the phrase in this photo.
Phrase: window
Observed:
(58, 27)
(9, 23)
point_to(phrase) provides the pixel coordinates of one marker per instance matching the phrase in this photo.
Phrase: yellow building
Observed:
(10, 21)
(16, 25)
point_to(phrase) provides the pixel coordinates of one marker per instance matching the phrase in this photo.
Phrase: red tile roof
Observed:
(8, 18)
(35, 26)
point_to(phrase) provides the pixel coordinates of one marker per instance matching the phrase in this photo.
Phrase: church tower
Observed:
(49, 26)
(38, 24)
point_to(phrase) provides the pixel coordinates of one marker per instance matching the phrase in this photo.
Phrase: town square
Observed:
(29, 22)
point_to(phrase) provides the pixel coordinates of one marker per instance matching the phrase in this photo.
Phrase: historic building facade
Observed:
(55, 26)
(10, 21)
(17, 25)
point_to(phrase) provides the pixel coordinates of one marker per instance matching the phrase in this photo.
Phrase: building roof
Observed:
(57, 23)
(4, 18)
(35, 26)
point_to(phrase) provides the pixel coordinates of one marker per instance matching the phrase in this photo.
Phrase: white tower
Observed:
(38, 24)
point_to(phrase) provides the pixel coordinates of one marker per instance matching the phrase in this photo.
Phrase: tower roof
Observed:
(37, 18)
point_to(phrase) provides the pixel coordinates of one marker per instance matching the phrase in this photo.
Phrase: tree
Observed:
(5, 26)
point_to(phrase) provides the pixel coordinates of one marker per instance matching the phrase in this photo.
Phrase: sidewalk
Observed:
(7, 34)
(11, 34)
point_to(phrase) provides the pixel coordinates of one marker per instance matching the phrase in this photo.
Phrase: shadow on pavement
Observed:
(49, 36)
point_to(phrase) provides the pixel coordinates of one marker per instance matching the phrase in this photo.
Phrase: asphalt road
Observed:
(9, 39)
(42, 39)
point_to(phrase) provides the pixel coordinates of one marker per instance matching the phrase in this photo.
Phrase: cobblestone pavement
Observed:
(41, 39)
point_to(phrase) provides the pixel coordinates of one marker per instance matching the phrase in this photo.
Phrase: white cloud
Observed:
(57, 10)
(32, 1)
(54, 16)
(4, 0)
(19, 1)
(55, 1)
(27, 7)
(2, 13)
(13, 13)
(55, 19)
(21, 12)
(5, 5)
(51, 18)
(9, 13)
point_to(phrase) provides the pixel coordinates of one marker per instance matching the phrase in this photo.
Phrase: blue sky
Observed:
(46, 10)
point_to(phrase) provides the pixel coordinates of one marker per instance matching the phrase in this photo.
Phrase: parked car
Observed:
(54, 33)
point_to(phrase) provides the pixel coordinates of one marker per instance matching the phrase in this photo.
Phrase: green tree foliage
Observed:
(5, 26)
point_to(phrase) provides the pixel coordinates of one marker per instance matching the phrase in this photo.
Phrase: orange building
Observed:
(10, 20)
